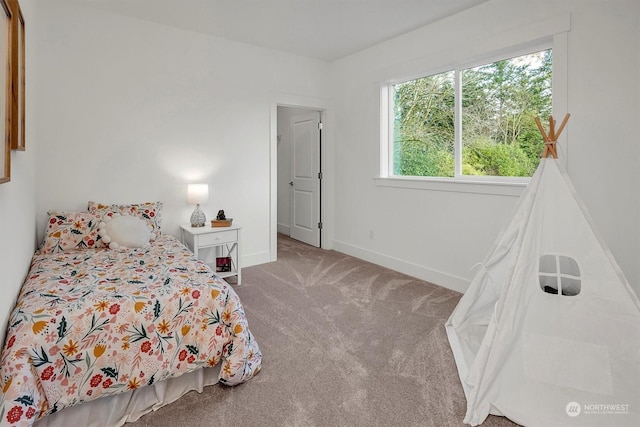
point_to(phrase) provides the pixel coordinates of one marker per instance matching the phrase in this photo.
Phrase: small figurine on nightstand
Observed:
(221, 220)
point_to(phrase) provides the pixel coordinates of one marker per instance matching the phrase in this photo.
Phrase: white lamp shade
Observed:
(197, 193)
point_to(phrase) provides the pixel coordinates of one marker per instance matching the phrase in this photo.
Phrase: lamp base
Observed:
(198, 218)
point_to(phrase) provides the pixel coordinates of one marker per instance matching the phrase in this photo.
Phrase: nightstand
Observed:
(224, 241)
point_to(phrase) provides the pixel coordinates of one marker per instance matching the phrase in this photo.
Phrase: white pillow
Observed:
(124, 231)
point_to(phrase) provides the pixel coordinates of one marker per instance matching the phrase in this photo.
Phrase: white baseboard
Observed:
(284, 229)
(255, 259)
(414, 270)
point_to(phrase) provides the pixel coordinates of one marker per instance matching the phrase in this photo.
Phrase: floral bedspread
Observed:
(96, 322)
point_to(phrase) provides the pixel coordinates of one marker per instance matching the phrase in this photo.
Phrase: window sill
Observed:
(464, 185)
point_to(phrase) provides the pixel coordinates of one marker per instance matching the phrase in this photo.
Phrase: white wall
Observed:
(136, 110)
(440, 235)
(603, 90)
(17, 197)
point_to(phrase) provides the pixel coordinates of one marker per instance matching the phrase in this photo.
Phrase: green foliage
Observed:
(499, 104)
(424, 111)
(419, 158)
(484, 157)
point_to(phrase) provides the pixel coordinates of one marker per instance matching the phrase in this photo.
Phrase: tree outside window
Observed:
(496, 133)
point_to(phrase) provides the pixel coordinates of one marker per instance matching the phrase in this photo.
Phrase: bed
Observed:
(101, 336)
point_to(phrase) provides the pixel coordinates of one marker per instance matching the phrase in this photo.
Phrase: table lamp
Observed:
(196, 194)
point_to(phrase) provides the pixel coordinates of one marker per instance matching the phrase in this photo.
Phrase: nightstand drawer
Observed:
(218, 238)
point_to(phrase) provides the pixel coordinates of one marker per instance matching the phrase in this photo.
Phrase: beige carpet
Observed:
(345, 343)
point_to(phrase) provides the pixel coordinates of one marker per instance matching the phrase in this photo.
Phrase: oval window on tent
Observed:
(559, 275)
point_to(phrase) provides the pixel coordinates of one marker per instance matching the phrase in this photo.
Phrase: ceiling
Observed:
(322, 29)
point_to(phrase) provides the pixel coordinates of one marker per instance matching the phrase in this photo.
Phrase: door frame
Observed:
(305, 103)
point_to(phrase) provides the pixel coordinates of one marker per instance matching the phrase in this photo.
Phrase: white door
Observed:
(305, 182)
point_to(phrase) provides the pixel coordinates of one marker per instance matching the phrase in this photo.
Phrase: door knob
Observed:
(291, 183)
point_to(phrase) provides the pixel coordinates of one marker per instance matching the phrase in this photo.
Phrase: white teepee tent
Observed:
(548, 332)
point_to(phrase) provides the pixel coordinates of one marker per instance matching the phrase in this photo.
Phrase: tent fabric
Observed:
(548, 332)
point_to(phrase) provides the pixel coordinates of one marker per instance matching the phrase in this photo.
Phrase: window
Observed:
(559, 275)
(476, 121)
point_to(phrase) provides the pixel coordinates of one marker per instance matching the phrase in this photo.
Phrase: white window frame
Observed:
(467, 183)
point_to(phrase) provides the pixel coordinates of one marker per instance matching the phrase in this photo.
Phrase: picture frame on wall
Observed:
(6, 104)
(18, 80)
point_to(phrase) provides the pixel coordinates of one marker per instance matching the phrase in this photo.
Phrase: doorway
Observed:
(299, 175)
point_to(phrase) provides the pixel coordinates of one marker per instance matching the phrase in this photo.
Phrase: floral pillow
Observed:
(68, 231)
(150, 212)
